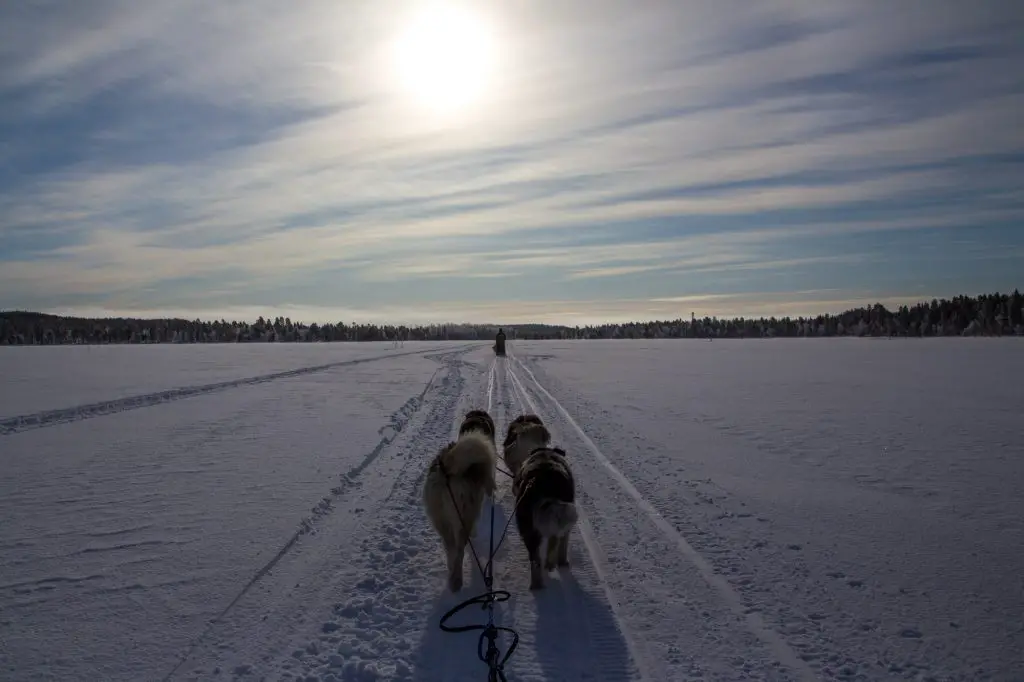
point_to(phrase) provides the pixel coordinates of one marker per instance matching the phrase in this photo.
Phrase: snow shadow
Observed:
(452, 656)
(482, 537)
(577, 635)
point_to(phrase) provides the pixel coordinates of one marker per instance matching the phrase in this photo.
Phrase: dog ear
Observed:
(510, 433)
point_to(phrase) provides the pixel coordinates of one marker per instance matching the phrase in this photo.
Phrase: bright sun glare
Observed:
(445, 57)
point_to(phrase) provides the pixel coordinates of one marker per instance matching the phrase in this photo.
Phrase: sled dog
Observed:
(458, 479)
(546, 510)
(527, 437)
(518, 423)
(478, 420)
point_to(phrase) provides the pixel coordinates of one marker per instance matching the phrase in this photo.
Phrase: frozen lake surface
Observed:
(838, 509)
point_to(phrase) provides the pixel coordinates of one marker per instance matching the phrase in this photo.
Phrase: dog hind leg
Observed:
(563, 550)
(552, 553)
(532, 540)
(454, 556)
(454, 569)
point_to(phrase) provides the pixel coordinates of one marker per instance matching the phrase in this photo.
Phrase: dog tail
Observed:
(555, 517)
(471, 455)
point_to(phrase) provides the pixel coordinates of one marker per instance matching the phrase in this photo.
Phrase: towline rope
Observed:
(490, 654)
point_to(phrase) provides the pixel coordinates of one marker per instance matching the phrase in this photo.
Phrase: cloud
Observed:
(262, 149)
(570, 312)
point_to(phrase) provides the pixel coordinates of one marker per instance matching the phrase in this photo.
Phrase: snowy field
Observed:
(843, 509)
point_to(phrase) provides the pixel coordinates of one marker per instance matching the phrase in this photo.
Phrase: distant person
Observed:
(499, 342)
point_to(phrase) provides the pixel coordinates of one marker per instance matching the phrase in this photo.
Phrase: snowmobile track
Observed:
(38, 420)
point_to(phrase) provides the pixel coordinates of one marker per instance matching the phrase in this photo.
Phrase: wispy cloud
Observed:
(176, 155)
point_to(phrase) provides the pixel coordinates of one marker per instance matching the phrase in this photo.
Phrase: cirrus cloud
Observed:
(179, 156)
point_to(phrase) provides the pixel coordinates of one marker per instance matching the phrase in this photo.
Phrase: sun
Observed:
(445, 57)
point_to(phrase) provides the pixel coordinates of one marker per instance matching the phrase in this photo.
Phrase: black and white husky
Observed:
(546, 511)
(525, 434)
(478, 420)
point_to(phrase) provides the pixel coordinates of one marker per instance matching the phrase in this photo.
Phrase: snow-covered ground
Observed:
(764, 510)
(47, 378)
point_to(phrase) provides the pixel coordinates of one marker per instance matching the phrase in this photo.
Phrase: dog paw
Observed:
(549, 566)
(536, 584)
(563, 564)
(455, 584)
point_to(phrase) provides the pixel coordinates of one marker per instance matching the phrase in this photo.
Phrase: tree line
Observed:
(985, 315)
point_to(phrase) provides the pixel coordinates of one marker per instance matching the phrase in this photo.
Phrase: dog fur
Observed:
(527, 438)
(518, 423)
(546, 490)
(478, 420)
(458, 479)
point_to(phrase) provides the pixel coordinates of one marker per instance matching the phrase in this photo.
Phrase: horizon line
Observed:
(894, 302)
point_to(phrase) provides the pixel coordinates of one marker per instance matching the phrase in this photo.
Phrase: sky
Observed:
(568, 162)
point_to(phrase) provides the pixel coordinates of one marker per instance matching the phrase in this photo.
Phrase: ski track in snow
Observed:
(64, 415)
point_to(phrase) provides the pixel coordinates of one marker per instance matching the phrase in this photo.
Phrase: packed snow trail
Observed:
(572, 629)
(364, 601)
(360, 601)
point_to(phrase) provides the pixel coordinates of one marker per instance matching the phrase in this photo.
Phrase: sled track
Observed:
(573, 612)
(38, 420)
(753, 621)
(384, 620)
(490, 386)
(349, 480)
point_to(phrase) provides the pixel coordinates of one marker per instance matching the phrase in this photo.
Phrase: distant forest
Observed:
(985, 315)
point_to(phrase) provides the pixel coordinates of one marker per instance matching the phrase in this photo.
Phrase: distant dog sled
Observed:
(499, 343)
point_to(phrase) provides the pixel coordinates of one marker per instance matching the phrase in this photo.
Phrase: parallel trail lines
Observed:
(755, 623)
(490, 385)
(593, 571)
(38, 420)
